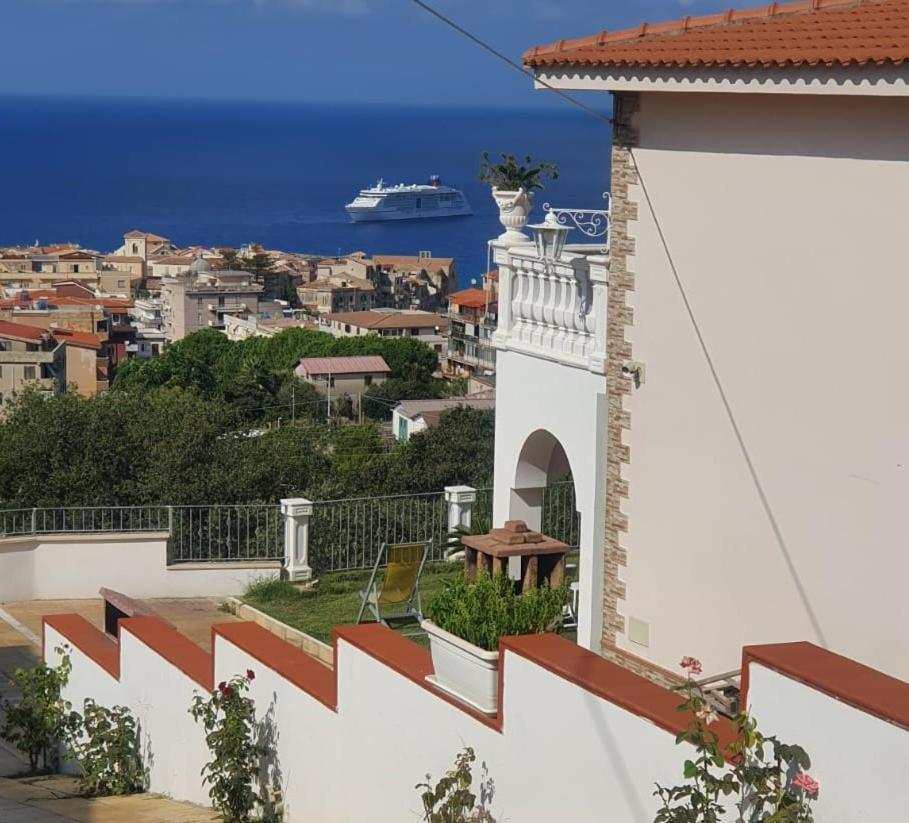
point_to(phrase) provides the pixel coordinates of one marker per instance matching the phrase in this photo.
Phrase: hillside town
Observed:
(69, 315)
(610, 526)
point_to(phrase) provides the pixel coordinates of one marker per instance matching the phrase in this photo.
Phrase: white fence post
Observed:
(460, 500)
(296, 511)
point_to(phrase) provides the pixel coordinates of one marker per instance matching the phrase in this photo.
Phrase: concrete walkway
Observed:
(55, 799)
(193, 616)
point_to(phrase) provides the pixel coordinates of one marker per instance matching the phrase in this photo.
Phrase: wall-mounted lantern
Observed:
(549, 237)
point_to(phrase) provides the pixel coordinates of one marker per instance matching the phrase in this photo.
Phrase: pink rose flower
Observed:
(692, 664)
(806, 783)
(707, 715)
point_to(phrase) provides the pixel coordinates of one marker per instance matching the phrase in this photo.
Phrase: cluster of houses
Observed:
(93, 310)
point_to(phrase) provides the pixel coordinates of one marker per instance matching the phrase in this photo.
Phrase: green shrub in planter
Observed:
(482, 612)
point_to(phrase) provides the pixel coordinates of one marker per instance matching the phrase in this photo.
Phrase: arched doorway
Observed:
(543, 495)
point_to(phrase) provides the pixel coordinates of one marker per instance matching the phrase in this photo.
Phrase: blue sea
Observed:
(216, 173)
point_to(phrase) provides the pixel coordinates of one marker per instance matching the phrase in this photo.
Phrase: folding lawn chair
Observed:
(398, 597)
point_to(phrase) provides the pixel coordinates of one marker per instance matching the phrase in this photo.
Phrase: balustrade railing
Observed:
(342, 534)
(555, 309)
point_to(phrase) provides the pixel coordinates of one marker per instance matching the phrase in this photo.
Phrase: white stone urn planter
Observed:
(514, 212)
(466, 672)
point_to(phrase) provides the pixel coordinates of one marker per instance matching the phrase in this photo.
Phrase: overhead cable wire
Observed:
(509, 62)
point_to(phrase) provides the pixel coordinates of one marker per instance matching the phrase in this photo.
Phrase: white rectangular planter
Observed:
(464, 671)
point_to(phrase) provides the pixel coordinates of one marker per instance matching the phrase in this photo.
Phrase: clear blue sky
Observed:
(313, 50)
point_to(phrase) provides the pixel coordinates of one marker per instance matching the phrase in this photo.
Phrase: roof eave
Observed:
(871, 79)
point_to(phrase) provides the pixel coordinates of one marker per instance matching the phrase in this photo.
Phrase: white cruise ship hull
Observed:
(366, 215)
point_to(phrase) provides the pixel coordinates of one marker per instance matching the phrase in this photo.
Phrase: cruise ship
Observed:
(408, 202)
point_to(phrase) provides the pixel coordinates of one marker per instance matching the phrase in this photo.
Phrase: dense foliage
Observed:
(172, 446)
(105, 745)
(489, 609)
(255, 376)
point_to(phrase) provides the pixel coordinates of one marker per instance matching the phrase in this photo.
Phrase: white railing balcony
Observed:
(553, 309)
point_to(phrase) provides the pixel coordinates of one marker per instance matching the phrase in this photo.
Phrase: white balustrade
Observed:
(553, 309)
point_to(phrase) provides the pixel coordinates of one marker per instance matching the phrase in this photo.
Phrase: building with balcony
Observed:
(738, 350)
(336, 293)
(74, 306)
(472, 318)
(201, 299)
(427, 326)
(26, 360)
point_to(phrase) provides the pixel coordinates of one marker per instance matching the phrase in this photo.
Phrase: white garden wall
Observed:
(56, 567)
(577, 737)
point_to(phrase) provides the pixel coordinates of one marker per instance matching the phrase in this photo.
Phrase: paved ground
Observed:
(54, 799)
(193, 616)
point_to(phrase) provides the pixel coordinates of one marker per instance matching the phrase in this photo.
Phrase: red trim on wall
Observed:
(175, 648)
(839, 677)
(408, 659)
(288, 661)
(609, 681)
(90, 640)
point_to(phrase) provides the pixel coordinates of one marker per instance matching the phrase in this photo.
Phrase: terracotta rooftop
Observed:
(82, 339)
(154, 238)
(20, 331)
(403, 261)
(390, 319)
(368, 364)
(472, 298)
(817, 32)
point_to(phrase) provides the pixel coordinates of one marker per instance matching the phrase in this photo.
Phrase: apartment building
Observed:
(472, 319)
(201, 299)
(26, 359)
(429, 327)
(74, 306)
(337, 293)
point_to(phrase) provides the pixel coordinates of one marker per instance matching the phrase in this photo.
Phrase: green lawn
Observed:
(335, 601)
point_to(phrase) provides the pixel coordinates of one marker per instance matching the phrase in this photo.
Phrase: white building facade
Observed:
(759, 491)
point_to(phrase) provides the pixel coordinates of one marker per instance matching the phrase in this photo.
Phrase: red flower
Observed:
(806, 783)
(692, 664)
(250, 675)
(222, 686)
(227, 691)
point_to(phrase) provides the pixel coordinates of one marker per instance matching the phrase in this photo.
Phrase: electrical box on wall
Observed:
(638, 631)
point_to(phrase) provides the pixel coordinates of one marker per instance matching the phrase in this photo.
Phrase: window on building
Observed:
(331, 381)
(199, 318)
(121, 284)
(221, 300)
(29, 372)
(367, 381)
(31, 347)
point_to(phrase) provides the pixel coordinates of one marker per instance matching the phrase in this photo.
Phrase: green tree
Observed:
(458, 450)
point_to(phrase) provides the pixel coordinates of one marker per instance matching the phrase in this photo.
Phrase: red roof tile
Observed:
(472, 298)
(77, 338)
(367, 364)
(817, 32)
(20, 331)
